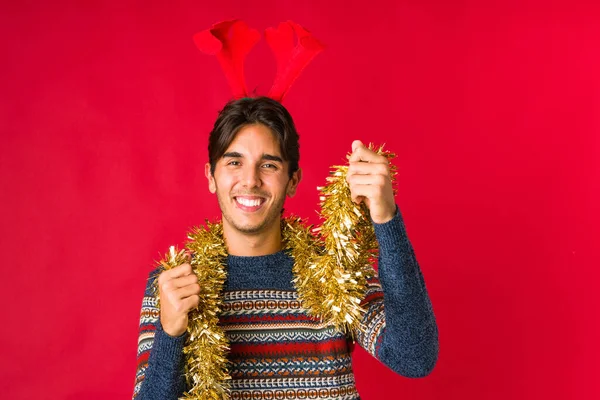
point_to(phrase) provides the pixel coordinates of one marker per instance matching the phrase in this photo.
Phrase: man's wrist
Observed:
(380, 220)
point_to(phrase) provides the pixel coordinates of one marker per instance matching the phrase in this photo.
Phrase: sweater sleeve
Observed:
(399, 324)
(160, 360)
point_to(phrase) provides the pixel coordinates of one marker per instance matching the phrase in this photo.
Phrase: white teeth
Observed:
(248, 202)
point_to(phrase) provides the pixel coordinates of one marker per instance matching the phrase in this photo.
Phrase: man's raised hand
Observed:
(370, 181)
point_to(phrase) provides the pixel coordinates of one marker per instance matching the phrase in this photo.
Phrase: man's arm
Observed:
(400, 327)
(160, 358)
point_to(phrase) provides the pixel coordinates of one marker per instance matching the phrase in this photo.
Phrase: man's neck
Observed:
(260, 244)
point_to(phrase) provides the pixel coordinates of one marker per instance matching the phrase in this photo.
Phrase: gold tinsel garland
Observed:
(331, 266)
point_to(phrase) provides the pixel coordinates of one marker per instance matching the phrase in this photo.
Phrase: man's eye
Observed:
(233, 162)
(272, 166)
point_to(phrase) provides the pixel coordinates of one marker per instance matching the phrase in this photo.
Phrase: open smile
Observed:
(249, 203)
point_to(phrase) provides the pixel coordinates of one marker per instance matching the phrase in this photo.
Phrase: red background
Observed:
(492, 107)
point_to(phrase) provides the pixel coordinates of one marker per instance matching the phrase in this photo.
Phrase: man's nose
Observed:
(251, 177)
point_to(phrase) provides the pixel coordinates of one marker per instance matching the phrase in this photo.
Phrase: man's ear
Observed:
(293, 183)
(212, 187)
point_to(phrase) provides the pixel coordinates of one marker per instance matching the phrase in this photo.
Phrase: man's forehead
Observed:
(251, 142)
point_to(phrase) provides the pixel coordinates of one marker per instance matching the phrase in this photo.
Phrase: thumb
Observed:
(356, 144)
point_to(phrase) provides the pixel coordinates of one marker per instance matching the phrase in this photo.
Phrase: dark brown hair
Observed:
(258, 110)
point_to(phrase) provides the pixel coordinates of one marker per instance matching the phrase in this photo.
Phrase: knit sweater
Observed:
(279, 351)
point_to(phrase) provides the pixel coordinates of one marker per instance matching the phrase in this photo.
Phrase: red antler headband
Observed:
(231, 41)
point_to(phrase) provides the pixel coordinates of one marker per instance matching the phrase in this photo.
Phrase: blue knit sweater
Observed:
(279, 351)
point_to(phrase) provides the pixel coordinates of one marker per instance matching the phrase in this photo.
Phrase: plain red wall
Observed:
(492, 107)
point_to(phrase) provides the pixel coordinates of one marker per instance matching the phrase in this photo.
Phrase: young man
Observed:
(277, 349)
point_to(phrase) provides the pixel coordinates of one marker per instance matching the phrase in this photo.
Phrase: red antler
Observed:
(291, 59)
(230, 41)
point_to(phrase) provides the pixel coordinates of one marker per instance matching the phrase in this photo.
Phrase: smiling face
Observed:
(251, 181)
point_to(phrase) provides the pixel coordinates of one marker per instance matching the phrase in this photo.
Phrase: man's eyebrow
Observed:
(232, 154)
(271, 157)
(268, 157)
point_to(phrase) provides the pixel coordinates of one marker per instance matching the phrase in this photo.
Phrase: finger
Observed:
(181, 270)
(182, 306)
(362, 190)
(184, 281)
(363, 168)
(356, 144)
(371, 179)
(172, 285)
(190, 302)
(362, 153)
(167, 283)
(187, 291)
(358, 199)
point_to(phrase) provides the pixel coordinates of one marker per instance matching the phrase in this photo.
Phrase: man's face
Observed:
(251, 181)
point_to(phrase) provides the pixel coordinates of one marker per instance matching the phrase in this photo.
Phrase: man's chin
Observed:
(253, 226)
(245, 224)
(250, 229)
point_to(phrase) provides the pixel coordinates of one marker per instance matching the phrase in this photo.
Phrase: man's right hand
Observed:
(178, 290)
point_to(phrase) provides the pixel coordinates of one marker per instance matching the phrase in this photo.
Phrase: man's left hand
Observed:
(370, 181)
